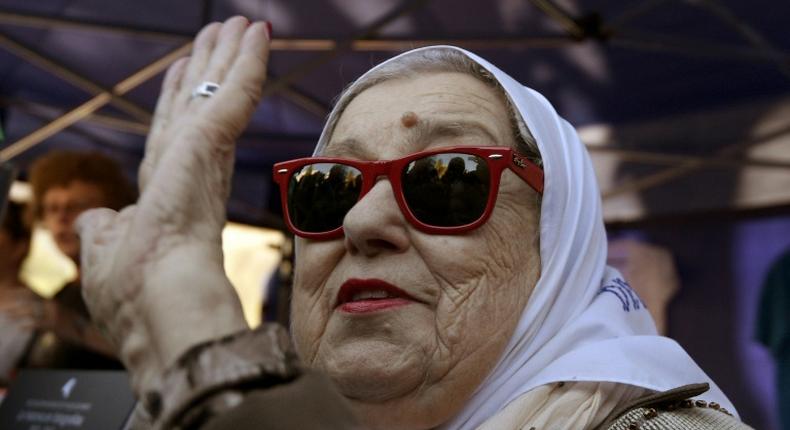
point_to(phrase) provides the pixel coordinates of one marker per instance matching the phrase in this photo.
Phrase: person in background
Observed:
(16, 333)
(651, 271)
(14, 246)
(65, 184)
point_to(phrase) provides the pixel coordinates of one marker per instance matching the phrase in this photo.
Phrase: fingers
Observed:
(249, 67)
(171, 86)
(227, 46)
(240, 92)
(243, 84)
(175, 94)
(219, 49)
(205, 42)
(192, 166)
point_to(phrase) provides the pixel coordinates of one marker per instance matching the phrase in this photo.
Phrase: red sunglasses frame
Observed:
(497, 158)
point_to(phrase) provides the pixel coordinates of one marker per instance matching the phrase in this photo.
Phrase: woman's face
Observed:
(414, 363)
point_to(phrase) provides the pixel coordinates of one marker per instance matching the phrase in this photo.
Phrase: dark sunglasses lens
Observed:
(320, 195)
(447, 190)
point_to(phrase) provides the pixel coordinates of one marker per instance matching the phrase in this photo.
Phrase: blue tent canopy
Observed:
(659, 76)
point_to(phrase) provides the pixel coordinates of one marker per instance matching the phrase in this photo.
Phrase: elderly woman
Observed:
(450, 264)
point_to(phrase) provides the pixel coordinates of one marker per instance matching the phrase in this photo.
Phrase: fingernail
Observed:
(269, 30)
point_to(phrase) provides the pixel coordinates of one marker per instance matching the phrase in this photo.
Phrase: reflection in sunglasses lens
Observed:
(447, 190)
(320, 195)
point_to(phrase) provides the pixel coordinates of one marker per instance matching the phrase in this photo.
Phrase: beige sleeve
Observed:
(569, 405)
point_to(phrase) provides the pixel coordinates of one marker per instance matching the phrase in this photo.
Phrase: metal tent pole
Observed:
(93, 104)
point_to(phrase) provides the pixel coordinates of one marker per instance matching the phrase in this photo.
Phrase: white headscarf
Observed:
(582, 322)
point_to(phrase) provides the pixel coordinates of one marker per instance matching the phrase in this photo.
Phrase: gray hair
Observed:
(436, 60)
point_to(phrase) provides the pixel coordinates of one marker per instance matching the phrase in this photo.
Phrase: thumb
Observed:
(89, 226)
(93, 220)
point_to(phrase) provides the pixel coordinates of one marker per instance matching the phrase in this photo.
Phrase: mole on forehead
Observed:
(409, 119)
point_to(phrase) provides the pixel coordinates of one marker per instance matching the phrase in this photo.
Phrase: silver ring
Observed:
(205, 89)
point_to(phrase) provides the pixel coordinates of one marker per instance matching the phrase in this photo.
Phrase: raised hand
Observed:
(152, 274)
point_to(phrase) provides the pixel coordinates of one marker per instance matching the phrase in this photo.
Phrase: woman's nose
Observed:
(375, 223)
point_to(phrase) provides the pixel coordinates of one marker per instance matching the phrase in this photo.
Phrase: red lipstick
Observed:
(370, 295)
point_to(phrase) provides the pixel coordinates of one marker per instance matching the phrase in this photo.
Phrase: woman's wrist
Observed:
(204, 306)
(157, 323)
(207, 309)
(213, 376)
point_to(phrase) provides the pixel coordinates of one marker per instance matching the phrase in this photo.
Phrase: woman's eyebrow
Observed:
(347, 147)
(428, 130)
(420, 136)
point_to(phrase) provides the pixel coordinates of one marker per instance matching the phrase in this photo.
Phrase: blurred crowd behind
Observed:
(44, 322)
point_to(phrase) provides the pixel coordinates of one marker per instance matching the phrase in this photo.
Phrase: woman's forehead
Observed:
(407, 115)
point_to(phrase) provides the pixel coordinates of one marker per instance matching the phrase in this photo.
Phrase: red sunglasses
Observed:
(443, 191)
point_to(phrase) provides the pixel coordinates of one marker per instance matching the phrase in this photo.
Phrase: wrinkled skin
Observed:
(152, 275)
(414, 366)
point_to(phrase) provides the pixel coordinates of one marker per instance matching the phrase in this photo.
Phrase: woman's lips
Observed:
(370, 295)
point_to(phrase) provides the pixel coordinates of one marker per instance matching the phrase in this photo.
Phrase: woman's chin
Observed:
(390, 402)
(374, 371)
